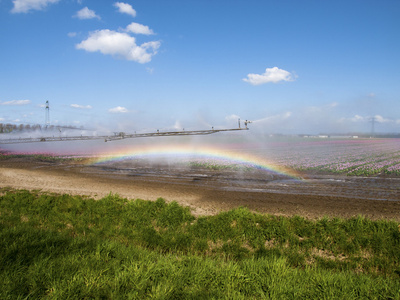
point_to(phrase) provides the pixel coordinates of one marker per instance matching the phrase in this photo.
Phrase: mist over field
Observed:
(351, 155)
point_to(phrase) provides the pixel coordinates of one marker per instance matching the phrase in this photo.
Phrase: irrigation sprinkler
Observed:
(121, 135)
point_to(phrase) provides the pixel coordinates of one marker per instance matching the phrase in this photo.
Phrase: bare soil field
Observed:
(209, 192)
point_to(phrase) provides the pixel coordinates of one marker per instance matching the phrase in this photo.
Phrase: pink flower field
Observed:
(360, 157)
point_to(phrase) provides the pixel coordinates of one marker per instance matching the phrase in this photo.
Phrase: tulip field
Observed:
(356, 157)
(345, 156)
(353, 157)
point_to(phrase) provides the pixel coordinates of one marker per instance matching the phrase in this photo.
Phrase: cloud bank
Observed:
(273, 75)
(376, 118)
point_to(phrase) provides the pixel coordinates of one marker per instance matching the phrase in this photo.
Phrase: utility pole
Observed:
(47, 114)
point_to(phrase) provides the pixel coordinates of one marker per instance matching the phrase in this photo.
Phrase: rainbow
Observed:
(196, 152)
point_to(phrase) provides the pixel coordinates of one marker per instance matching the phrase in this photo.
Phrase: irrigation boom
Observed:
(118, 136)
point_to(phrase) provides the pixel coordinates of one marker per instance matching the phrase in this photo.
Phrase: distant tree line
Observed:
(6, 128)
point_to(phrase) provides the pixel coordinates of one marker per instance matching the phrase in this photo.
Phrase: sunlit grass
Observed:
(66, 246)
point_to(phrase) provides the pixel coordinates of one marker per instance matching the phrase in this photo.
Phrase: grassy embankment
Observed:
(62, 246)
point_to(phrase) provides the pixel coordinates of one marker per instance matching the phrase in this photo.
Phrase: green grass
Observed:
(62, 246)
(39, 157)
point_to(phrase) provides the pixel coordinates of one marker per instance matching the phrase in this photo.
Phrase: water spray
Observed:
(122, 135)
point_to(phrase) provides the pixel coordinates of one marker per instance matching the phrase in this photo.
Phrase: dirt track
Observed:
(208, 193)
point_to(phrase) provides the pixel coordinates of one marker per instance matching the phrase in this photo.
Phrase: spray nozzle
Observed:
(246, 122)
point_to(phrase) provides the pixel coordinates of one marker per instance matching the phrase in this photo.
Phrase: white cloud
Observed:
(118, 44)
(2, 119)
(357, 118)
(16, 102)
(125, 8)
(273, 75)
(86, 13)
(118, 109)
(139, 29)
(81, 106)
(71, 34)
(24, 6)
(381, 119)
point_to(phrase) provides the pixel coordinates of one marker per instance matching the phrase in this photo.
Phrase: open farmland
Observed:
(226, 229)
(340, 156)
(356, 157)
(353, 157)
(210, 183)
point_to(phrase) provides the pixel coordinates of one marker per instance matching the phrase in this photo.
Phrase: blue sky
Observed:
(290, 66)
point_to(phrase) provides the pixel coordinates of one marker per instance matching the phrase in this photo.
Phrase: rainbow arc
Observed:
(195, 152)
